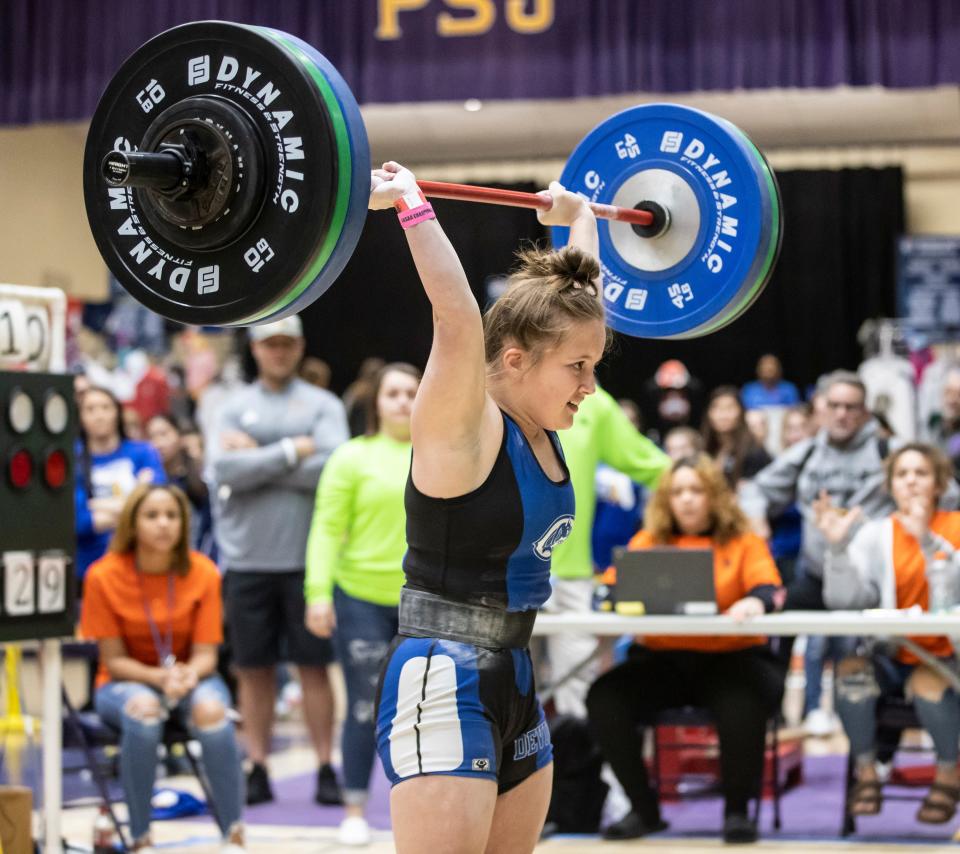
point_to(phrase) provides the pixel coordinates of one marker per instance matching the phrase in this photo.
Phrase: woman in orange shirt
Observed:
(736, 678)
(886, 564)
(154, 608)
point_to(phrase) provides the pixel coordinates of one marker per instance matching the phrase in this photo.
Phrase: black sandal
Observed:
(939, 810)
(866, 798)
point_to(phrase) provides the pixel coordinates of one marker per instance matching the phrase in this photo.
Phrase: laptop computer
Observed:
(664, 581)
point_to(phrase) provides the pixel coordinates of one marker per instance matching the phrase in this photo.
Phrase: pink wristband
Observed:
(413, 208)
(414, 216)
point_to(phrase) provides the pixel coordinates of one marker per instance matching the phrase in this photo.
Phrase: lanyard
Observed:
(163, 646)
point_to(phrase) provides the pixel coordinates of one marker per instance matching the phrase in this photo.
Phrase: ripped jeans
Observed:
(139, 740)
(856, 703)
(363, 636)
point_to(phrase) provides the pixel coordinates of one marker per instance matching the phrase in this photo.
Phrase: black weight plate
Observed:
(265, 264)
(353, 175)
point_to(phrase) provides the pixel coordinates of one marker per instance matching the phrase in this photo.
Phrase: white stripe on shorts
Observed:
(425, 732)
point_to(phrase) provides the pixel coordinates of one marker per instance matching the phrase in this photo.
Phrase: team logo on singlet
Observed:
(558, 531)
(532, 742)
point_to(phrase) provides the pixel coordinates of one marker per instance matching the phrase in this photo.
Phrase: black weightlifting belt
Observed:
(427, 615)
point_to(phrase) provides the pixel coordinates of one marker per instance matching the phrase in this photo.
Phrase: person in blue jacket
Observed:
(108, 467)
(770, 388)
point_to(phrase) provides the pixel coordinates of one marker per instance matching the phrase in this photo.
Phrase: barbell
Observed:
(227, 171)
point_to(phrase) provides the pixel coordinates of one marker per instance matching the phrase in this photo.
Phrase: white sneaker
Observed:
(617, 804)
(820, 723)
(354, 830)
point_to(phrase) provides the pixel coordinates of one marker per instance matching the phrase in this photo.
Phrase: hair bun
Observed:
(564, 268)
(547, 293)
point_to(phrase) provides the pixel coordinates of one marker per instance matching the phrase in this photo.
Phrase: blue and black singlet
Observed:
(447, 705)
(492, 546)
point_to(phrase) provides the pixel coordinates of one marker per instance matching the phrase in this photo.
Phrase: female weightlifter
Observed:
(460, 731)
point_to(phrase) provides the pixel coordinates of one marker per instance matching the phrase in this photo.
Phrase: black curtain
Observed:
(836, 269)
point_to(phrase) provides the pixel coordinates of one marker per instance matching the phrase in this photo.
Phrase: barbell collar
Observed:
(660, 223)
(166, 171)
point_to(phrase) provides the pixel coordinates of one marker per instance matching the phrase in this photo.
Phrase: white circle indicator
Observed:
(56, 413)
(20, 411)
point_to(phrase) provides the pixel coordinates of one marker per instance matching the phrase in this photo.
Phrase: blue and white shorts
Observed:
(452, 708)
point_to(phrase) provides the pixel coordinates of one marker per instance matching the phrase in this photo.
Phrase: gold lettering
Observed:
(388, 16)
(536, 21)
(480, 22)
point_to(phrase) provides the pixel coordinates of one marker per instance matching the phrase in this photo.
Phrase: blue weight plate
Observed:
(776, 228)
(773, 227)
(769, 245)
(696, 274)
(353, 189)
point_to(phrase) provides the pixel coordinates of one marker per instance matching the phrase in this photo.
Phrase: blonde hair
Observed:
(124, 540)
(941, 465)
(548, 292)
(727, 520)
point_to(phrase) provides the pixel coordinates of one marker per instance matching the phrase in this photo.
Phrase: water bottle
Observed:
(104, 834)
(940, 584)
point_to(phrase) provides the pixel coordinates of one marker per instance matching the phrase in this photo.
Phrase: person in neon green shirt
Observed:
(601, 433)
(354, 572)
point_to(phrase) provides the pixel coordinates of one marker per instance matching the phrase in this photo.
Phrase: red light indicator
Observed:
(20, 469)
(55, 469)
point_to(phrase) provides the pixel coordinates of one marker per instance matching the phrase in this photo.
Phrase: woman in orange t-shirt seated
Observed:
(154, 608)
(886, 564)
(736, 678)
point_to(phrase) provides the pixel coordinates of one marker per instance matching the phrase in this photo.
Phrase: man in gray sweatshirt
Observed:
(273, 438)
(844, 459)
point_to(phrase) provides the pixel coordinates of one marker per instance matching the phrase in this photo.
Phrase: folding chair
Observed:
(87, 731)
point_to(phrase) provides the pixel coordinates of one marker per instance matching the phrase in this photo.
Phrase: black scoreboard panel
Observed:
(38, 429)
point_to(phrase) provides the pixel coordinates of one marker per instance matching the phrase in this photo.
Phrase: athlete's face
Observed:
(158, 522)
(689, 501)
(564, 375)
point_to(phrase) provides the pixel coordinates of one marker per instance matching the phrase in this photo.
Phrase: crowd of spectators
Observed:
(797, 499)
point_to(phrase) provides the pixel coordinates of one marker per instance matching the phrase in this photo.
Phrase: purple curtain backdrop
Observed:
(56, 56)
